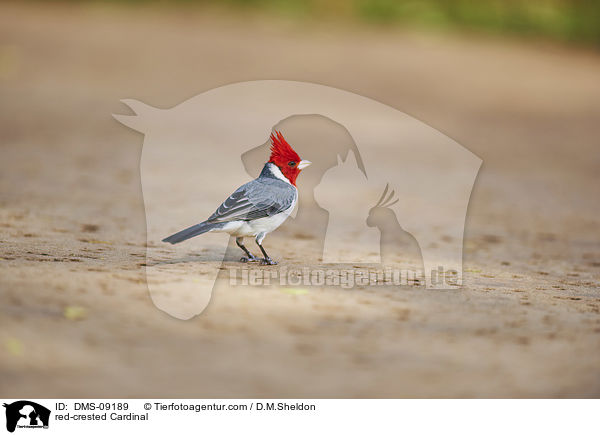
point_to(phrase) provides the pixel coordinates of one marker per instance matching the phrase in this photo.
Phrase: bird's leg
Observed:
(250, 257)
(267, 260)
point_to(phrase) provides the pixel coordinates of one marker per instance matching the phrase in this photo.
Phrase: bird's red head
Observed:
(286, 159)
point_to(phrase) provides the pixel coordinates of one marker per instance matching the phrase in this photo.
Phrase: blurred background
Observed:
(516, 82)
(572, 21)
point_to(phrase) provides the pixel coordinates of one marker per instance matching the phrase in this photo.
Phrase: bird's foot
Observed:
(250, 259)
(267, 261)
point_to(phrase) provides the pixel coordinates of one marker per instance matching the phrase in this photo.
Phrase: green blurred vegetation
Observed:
(562, 20)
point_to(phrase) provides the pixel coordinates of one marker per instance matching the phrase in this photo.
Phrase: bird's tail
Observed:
(192, 231)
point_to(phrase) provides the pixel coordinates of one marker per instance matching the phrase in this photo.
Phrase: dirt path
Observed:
(72, 229)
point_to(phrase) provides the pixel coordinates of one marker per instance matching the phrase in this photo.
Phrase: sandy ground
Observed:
(76, 319)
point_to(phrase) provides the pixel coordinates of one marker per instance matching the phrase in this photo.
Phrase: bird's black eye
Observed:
(291, 163)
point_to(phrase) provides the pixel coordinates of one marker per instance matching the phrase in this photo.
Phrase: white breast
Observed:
(263, 225)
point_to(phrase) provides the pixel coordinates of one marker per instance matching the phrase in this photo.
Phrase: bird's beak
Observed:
(303, 164)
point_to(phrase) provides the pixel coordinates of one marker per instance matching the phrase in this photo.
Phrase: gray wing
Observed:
(255, 200)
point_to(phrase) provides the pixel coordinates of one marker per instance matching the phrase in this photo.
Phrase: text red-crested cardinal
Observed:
(258, 207)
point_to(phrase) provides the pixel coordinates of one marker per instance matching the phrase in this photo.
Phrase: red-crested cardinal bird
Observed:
(258, 207)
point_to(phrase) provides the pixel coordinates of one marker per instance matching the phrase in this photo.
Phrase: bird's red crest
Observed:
(281, 151)
(282, 154)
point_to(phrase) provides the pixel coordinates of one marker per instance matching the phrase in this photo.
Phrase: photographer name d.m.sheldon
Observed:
(282, 406)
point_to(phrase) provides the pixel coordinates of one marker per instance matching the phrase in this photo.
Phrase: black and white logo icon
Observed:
(25, 414)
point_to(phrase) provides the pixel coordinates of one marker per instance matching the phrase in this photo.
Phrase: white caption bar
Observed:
(266, 416)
